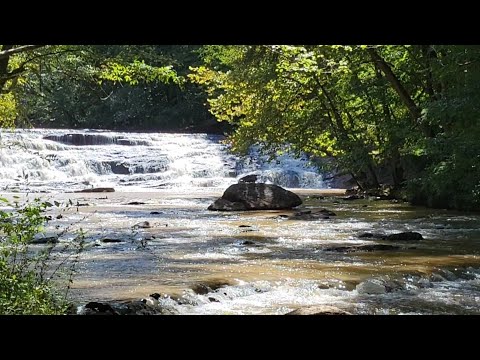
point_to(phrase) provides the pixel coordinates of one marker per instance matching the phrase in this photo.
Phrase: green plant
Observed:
(34, 279)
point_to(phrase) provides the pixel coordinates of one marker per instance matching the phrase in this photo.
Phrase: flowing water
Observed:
(256, 262)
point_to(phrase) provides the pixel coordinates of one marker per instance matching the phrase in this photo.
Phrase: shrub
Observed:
(32, 280)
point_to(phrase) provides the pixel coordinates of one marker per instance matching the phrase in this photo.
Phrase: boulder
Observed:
(319, 310)
(253, 196)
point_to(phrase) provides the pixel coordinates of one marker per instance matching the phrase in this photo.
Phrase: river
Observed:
(255, 262)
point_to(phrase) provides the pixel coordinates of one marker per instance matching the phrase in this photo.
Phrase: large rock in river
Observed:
(253, 196)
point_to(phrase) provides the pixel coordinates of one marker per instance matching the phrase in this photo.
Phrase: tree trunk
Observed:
(4, 66)
(405, 97)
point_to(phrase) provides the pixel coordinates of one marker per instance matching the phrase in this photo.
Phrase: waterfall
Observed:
(65, 160)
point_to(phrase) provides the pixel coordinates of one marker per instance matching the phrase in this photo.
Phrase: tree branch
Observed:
(7, 53)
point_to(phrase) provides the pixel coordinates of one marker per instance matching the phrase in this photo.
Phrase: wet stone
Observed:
(359, 248)
(143, 225)
(109, 240)
(371, 286)
(319, 310)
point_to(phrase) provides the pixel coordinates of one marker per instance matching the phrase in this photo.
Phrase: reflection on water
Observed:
(271, 265)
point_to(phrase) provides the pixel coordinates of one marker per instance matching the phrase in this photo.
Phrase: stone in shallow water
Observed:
(142, 225)
(109, 240)
(45, 239)
(209, 285)
(225, 205)
(253, 196)
(405, 236)
(402, 236)
(95, 190)
(135, 203)
(368, 235)
(371, 286)
(126, 308)
(368, 248)
(319, 310)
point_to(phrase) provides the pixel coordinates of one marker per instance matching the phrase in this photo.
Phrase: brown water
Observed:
(286, 267)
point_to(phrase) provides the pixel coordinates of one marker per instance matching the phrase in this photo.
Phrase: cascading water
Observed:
(61, 160)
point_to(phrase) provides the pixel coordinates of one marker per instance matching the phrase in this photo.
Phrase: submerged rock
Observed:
(402, 236)
(355, 248)
(312, 214)
(353, 197)
(368, 235)
(319, 310)
(253, 196)
(95, 190)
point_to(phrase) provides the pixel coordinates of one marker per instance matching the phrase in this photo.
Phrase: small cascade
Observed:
(94, 139)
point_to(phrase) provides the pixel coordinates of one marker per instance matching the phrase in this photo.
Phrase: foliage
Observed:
(8, 110)
(107, 86)
(400, 114)
(30, 279)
